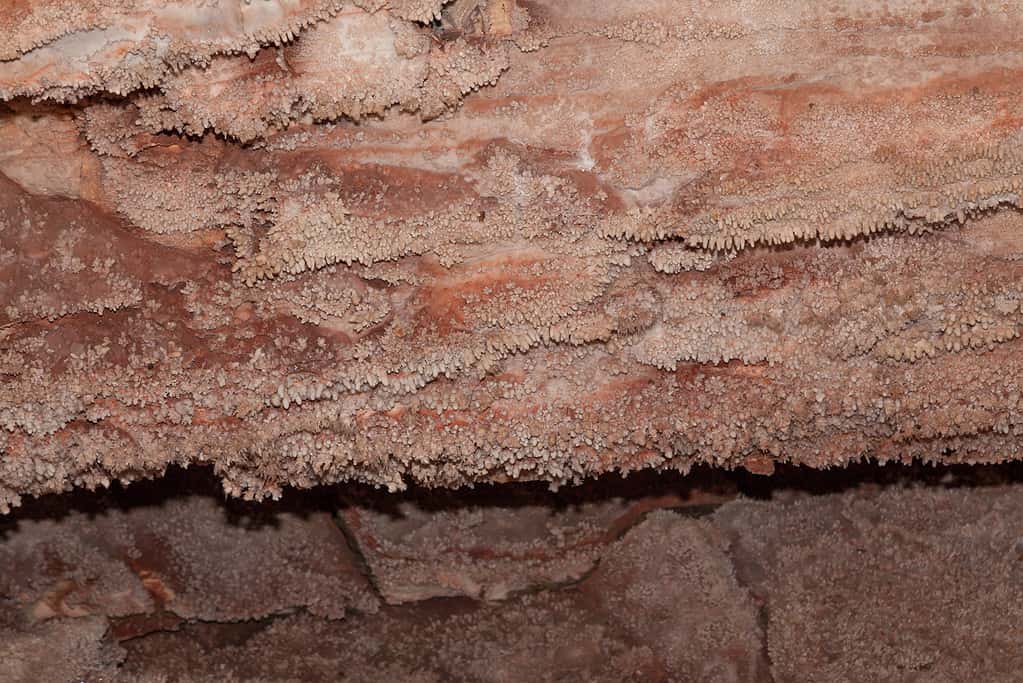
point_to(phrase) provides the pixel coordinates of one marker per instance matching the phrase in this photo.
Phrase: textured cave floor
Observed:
(869, 573)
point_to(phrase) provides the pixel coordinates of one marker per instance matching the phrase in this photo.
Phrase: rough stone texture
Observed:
(670, 586)
(63, 650)
(417, 241)
(417, 553)
(161, 582)
(865, 578)
(498, 541)
(154, 563)
(666, 607)
(898, 585)
(430, 243)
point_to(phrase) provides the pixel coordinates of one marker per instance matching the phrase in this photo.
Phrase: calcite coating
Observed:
(868, 574)
(490, 240)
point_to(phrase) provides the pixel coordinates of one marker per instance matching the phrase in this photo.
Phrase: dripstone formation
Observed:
(425, 242)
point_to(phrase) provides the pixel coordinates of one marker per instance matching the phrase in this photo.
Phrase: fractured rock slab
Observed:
(896, 585)
(494, 542)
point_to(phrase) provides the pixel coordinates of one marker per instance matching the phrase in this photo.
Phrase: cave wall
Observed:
(481, 241)
(862, 574)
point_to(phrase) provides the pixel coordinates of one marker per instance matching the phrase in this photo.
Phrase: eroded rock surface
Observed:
(868, 578)
(498, 541)
(478, 240)
(154, 563)
(888, 585)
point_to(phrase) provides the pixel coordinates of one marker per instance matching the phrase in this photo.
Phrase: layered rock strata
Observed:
(454, 242)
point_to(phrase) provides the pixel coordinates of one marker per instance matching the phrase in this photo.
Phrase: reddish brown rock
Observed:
(871, 574)
(495, 542)
(671, 585)
(893, 585)
(456, 242)
(59, 650)
(703, 628)
(149, 566)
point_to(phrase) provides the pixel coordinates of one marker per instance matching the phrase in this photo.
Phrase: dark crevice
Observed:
(693, 489)
(229, 633)
(359, 559)
(743, 573)
(764, 621)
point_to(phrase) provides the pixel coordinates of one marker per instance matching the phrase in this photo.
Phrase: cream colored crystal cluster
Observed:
(482, 240)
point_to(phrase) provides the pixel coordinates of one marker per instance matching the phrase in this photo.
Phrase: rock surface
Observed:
(886, 586)
(873, 580)
(512, 244)
(499, 541)
(175, 557)
(486, 240)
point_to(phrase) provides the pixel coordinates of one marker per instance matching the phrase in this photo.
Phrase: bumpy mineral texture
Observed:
(905, 580)
(400, 241)
(886, 586)
(497, 541)
(171, 559)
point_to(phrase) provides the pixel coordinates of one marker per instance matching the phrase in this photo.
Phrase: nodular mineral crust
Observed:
(441, 243)
(862, 576)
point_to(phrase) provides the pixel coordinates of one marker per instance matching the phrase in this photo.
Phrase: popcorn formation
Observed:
(456, 242)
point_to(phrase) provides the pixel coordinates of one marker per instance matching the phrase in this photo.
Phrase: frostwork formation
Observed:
(489, 240)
